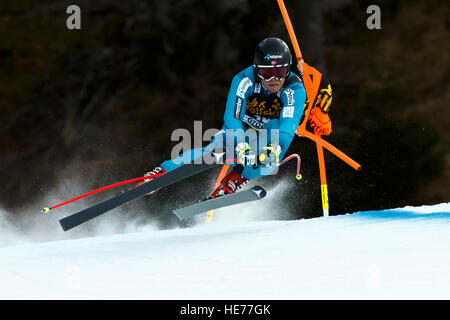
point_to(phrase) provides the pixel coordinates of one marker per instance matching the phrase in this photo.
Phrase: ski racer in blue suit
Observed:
(264, 107)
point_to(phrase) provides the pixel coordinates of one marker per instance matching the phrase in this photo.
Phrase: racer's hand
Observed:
(246, 156)
(270, 156)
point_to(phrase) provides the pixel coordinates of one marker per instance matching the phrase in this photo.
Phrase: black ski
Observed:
(252, 194)
(165, 180)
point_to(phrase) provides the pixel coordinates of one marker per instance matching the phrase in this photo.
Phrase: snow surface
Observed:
(391, 254)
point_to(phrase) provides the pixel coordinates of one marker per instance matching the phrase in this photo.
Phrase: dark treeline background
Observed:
(100, 103)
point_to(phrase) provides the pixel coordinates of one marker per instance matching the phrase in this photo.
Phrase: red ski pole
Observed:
(47, 209)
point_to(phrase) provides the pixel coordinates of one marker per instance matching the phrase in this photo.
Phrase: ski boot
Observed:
(157, 170)
(231, 183)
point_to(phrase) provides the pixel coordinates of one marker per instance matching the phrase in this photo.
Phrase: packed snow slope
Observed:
(392, 254)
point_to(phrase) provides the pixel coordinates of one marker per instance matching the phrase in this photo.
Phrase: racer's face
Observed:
(274, 85)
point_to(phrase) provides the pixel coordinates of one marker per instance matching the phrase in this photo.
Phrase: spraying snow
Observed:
(29, 225)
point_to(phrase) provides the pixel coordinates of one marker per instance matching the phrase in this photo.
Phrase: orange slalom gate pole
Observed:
(352, 163)
(290, 29)
(310, 76)
(323, 180)
(311, 80)
(311, 87)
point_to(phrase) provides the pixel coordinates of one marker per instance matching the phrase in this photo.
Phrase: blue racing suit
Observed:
(251, 110)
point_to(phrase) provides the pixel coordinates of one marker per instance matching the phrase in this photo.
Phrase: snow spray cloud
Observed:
(9, 234)
(30, 225)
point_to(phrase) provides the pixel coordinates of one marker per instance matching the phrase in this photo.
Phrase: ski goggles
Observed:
(269, 72)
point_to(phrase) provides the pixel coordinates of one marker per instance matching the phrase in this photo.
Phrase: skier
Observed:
(265, 100)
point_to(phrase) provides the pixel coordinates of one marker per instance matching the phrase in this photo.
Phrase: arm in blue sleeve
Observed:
(240, 89)
(293, 98)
